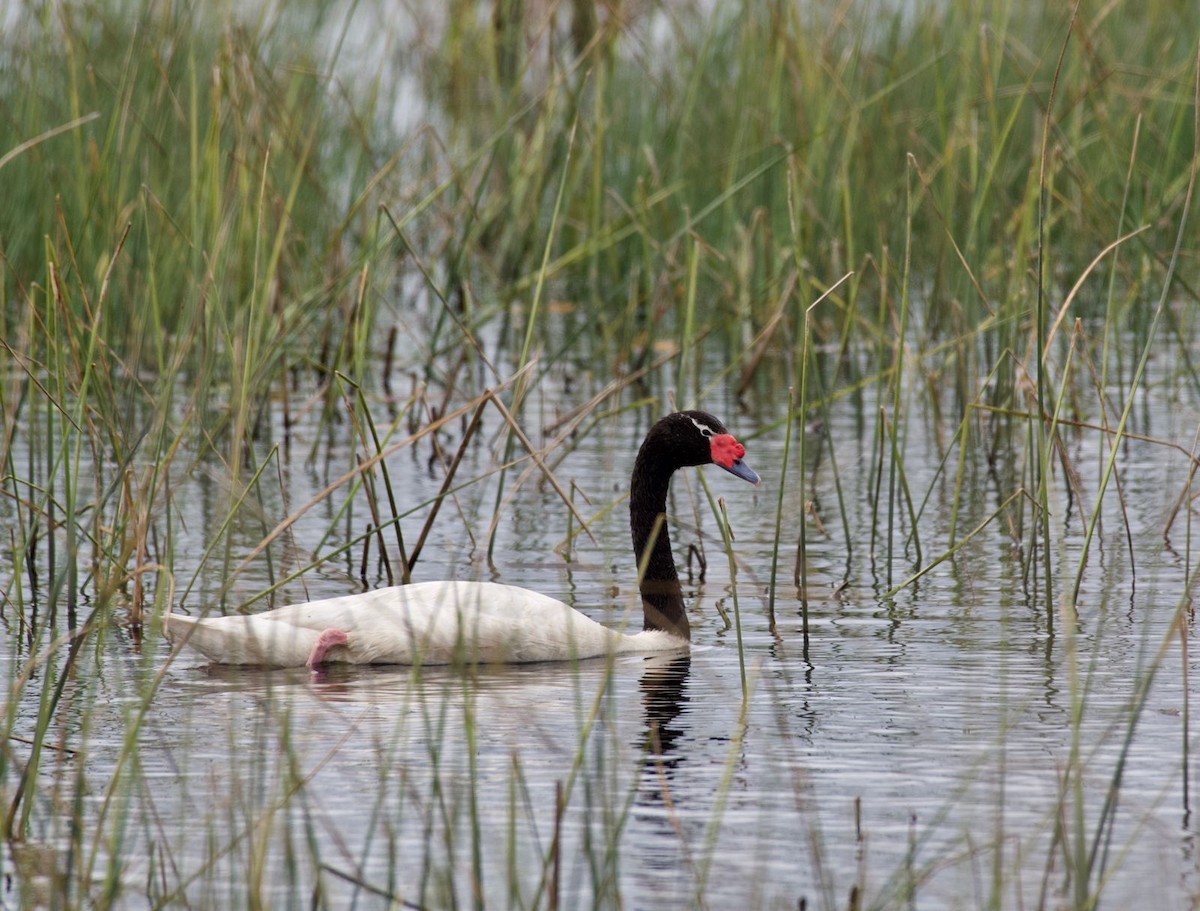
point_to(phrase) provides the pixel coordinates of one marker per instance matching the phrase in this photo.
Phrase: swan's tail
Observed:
(210, 640)
(241, 640)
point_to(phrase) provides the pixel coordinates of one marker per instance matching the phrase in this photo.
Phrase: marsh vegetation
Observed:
(298, 299)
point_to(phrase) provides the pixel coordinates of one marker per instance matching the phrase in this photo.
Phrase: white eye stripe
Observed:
(704, 429)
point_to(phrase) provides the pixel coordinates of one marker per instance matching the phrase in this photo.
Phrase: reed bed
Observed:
(267, 324)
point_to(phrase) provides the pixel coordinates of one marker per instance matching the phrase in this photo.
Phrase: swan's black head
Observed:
(677, 441)
(688, 438)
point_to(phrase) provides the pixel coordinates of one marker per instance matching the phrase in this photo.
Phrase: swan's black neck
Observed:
(674, 442)
(662, 597)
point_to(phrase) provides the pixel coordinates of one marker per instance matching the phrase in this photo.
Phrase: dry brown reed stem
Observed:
(575, 415)
(449, 479)
(377, 529)
(488, 395)
(1192, 457)
(1066, 304)
(441, 295)
(366, 465)
(538, 462)
(556, 847)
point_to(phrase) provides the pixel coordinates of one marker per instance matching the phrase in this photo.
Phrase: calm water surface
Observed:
(916, 748)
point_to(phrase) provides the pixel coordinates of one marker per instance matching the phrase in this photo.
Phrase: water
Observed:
(920, 746)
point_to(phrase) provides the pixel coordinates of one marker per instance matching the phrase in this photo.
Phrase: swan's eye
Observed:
(705, 431)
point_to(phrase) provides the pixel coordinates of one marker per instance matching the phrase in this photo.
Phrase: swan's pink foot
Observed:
(330, 638)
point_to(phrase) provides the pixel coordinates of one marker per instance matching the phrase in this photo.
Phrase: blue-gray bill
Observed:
(744, 471)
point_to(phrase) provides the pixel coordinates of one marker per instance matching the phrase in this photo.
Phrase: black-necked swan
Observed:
(442, 622)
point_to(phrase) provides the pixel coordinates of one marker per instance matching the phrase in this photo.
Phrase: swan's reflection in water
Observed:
(663, 826)
(664, 701)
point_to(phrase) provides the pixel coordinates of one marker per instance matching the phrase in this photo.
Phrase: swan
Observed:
(444, 622)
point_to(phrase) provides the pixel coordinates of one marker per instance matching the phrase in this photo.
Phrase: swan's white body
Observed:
(423, 623)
